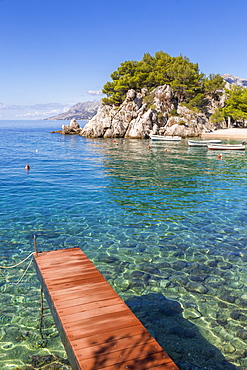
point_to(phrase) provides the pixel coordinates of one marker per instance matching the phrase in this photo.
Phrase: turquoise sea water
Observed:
(166, 228)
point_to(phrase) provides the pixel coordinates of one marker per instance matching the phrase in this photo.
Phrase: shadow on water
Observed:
(180, 339)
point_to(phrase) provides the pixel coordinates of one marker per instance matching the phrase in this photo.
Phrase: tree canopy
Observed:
(184, 77)
(235, 105)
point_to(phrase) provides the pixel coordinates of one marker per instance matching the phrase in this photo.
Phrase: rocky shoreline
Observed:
(144, 113)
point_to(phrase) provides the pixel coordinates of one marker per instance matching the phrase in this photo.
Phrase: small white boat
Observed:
(203, 142)
(226, 146)
(165, 138)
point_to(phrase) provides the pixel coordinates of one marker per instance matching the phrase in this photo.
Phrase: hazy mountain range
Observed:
(79, 111)
(235, 80)
(88, 109)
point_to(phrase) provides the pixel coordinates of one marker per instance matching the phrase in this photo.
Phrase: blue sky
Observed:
(55, 53)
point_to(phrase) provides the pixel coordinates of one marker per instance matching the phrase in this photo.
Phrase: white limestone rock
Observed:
(140, 127)
(74, 125)
(143, 113)
(72, 129)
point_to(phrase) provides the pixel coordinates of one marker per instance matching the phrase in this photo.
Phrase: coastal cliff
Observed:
(157, 112)
(160, 111)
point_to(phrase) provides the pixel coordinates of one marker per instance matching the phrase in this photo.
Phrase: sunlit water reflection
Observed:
(166, 228)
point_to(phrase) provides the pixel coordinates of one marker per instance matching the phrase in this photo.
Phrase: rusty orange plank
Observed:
(68, 310)
(143, 356)
(71, 268)
(83, 331)
(80, 298)
(97, 328)
(81, 313)
(97, 283)
(115, 338)
(140, 365)
(118, 345)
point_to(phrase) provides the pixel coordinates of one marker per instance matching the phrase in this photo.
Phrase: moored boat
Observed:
(227, 146)
(165, 138)
(203, 142)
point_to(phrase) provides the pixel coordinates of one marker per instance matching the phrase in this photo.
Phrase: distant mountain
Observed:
(234, 80)
(79, 111)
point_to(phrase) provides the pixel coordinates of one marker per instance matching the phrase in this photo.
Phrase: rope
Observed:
(10, 267)
(24, 273)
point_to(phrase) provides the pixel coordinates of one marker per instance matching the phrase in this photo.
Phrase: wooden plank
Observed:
(76, 275)
(141, 365)
(67, 310)
(82, 299)
(81, 331)
(85, 314)
(115, 338)
(116, 345)
(97, 328)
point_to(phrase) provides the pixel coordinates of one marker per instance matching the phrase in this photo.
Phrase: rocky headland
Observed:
(143, 113)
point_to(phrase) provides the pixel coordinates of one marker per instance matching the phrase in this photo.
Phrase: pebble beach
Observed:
(229, 133)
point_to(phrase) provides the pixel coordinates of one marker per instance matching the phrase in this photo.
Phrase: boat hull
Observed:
(165, 138)
(226, 147)
(203, 142)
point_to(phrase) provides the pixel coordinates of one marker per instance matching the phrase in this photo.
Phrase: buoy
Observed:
(165, 150)
(219, 156)
(149, 146)
(27, 167)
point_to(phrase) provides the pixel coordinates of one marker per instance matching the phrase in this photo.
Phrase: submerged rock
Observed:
(47, 362)
(137, 285)
(191, 313)
(236, 315)
(198, 278)
(242, 333)
(137, 274)
(228, 298)
(150, 269)
(109, 259)
(182, 332)
(179, 265)
(196, 287)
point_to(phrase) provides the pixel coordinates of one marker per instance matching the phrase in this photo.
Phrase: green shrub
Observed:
(173, 112)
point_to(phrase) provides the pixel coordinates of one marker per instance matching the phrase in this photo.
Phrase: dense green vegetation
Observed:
(188, 84)
(235, 106)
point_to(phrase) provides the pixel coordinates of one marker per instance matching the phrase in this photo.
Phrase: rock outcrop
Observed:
(144, 113)
(72, 129)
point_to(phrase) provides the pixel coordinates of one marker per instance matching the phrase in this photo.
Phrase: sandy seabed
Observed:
(228, 133)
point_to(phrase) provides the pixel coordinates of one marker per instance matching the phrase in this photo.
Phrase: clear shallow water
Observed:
(166, 228)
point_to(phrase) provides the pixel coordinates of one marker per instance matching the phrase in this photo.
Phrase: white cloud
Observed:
(38, 113)
(94, 92)
(3, 106)
(32, 111)
(65, 109)
(33, 114)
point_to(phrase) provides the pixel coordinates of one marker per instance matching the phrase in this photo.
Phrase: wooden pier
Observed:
(97, 328)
